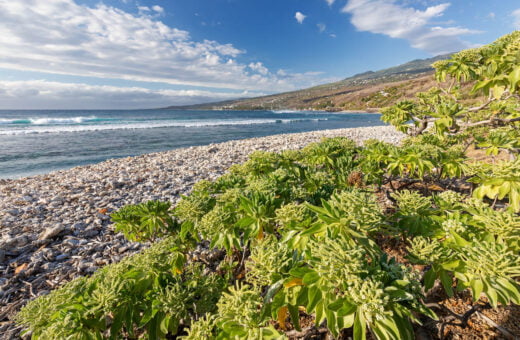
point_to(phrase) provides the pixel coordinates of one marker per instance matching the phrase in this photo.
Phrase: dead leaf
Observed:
(282, 315)
(21, 268)
(294, 282)
(435, 187)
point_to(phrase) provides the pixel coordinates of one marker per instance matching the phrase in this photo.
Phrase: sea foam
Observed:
(146, 125)
(47, 120)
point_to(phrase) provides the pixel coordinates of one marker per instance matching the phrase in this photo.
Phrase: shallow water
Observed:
(36, 142)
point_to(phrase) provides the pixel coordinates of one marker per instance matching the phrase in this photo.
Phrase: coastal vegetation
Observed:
(334, 238)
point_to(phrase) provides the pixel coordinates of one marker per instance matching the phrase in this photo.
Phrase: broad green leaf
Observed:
(490, 293)
(346, 310)
(273, 289)
(348, 320)
(164, 326)
(498, 91)
(447, 282)
(388, 328)
(295, 316)
(455, 263)
(398, 294)
(331, 322)
(314, 294)
(300, 272)
(310, 278)
(482, 85)
(429, 279)
(461, 242)
(504, 189)
(510, 287)
(476, 286)
(360, 326)
(336, 305)
(514, 78)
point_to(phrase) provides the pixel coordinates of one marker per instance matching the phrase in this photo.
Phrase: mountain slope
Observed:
(367, 91)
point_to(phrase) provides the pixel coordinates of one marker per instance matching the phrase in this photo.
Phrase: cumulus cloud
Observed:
(63, 37)
(143, 9)
(41, 94)
(299, 16)
(321, 27)
(516, 16)
(330, 2)
(397, 21)
(158, 9)
(259, 67)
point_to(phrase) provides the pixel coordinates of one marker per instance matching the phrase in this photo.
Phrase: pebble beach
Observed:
(56, 227)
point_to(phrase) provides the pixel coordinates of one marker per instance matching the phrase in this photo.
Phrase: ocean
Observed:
(36, 142)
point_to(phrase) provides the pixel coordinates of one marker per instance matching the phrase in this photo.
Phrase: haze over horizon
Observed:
(91, 54)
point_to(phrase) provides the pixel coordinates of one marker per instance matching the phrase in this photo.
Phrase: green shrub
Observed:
(145, 221)
(150, 292)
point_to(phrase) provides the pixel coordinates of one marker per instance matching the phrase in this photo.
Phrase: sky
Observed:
(132, 54)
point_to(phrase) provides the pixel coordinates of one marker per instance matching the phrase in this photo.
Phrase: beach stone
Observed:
(62, 257)
(13, 212)
(51, 232)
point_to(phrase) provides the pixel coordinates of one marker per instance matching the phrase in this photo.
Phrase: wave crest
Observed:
(48, 120)
(149, 125)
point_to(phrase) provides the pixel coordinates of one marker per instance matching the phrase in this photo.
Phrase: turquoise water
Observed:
(36, 142)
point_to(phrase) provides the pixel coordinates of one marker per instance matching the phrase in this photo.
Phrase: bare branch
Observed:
(493, 122)
(478, 108)
(506, 332)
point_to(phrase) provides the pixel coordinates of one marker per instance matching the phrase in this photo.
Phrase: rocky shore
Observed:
(55, 227)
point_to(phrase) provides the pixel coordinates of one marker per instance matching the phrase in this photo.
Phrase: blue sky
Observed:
(151, 53)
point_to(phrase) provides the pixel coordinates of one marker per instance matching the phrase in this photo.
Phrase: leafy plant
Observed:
(269, 262)
(145, 221)
(414, 213)
(240, 315)
(354, 214)
(146, 292)
(343, 287)
(305, 235)
(487, 267)
(503, 181)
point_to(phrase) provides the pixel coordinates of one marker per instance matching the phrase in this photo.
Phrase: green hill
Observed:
(366, 91)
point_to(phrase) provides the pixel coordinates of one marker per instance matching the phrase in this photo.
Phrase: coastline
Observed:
(55, 227)
(38, 142)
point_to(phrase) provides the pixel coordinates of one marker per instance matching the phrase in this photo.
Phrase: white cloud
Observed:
(321, 27)
(397, 21)
(259, 67)
(143, 10)
(330, 2)
(158, 9)
(41, 94)
(516, 16)
(62, 37)
(299, 16)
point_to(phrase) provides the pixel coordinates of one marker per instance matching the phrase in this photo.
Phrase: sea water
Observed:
(36, 142)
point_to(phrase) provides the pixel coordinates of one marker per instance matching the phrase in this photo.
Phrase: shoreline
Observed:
(56, 226)
(35, 148)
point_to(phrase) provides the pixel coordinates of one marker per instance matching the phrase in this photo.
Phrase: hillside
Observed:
(366, 91)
